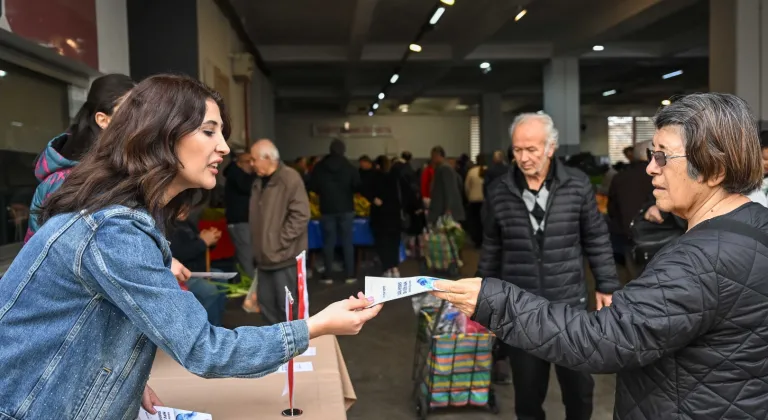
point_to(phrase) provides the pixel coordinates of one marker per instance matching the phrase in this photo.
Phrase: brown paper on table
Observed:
(324, 393)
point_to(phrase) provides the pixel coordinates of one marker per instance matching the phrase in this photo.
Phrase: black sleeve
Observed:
(242, 181)
(667, 307)
(490, 254)
(186, 246)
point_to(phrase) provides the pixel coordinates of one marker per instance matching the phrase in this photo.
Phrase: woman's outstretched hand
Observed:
(461, 293)
(345, 317)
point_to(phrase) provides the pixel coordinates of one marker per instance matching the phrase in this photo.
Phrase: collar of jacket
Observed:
(272, 178)
(557, 171)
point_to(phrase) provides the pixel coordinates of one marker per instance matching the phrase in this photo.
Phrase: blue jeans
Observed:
(341, 224)
(211, 297)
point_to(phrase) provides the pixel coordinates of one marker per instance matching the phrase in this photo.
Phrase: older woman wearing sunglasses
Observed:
(689, 337)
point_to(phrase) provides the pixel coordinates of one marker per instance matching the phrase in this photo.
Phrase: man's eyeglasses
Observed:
(660, 157)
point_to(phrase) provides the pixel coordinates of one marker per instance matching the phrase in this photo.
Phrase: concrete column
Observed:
(738, 52)
(493, 134)
(562, 101)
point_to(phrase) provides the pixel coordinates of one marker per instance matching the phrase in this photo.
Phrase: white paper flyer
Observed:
(384, 289)
(167, 413)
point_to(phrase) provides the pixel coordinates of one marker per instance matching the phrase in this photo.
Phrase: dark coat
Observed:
(687, 338)
(573, 227)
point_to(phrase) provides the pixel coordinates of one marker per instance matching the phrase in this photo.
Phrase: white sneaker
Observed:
(326, 281)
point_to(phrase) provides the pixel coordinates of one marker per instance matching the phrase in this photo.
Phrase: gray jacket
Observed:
(446, 195)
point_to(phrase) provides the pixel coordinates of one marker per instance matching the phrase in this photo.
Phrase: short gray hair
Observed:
(719, 134)
(549, 125)
(267, 149)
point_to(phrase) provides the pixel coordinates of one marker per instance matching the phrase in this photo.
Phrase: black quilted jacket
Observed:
(689, 338)
(573, 228)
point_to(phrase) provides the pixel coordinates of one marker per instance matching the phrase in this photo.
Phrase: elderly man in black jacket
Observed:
(688, 337)
(541, 218)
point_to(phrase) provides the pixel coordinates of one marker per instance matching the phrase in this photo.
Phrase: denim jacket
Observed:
(83, 308)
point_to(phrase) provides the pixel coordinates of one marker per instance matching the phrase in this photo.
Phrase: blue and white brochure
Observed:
(167, 413)
(384, 289)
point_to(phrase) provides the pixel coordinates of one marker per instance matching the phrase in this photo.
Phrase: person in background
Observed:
(279, 222)
(629, 153)
(367, 175)
(335, 180)
(237, 196)
(447, 198)
(474, 186)
(496, 170)
(427, 176)
(628, 193)
(65, 150)
(92, 289)
(301, 166)
(189, 245)
(541, 220)
(385, 216)
(686, 338)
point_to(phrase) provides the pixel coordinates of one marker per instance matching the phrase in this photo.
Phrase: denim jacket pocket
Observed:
(90, 406)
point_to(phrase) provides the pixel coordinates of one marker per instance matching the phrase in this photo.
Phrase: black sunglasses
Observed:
(660, 157)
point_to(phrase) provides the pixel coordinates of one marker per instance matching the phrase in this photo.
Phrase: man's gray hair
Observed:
(267, 149)
(549, 125)
(640, 150)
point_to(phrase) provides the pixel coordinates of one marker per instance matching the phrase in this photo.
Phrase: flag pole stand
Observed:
(292, 411)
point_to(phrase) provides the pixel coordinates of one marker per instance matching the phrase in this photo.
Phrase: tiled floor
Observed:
(380, 360)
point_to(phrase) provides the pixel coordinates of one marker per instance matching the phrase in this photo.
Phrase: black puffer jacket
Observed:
(689, 337)
(573, 227)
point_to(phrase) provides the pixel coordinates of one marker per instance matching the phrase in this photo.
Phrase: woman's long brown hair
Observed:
(134, 160)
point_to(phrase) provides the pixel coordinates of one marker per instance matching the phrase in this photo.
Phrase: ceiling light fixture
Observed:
(485, 65)
(520, 15)
(370, 113)
(415, 47)
(437, 15)
(382, 96)
(404, 108)
(671, 75)
(598, 48)
(394, 78)
(462, 107)
(376, 105)
(666, 102)
(448, 2)
(3, 73)
(609, 92)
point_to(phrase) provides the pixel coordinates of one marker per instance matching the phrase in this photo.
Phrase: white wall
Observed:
(217, 42)
(112, 31)
(415, 133)
(262, 107)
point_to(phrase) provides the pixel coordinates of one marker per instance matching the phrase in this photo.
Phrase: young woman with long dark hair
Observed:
(64, 152)
(90, 297)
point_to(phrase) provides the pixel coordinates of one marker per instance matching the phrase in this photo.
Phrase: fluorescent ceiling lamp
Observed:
(376, 105)
(448, 2)
(461, 107)
(404, 108)
(666, 102)
(673, 74)
(609, 92)
(370, 114)
(382, 96)
(415, 47)
(436, 17)
(520, 15)
(485, 65)
(3, 73)
(598, 48)
(394, 78)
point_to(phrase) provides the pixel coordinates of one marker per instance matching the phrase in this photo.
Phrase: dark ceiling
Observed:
(336, 56)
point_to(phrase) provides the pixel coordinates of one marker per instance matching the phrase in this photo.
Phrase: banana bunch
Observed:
(362, 206)
(314, 205)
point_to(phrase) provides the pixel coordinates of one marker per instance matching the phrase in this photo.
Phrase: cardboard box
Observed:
(324, 393)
